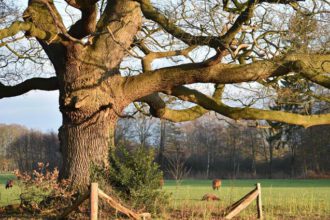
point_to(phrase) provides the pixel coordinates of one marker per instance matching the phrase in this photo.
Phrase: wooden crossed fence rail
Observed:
(95, 193)
(241, 204)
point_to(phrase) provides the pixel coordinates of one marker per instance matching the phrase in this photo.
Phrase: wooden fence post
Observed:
(259, 203)
(94, 201)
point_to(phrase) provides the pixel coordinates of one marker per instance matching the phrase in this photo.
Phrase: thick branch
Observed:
(46, 84)
(319, 75)
(151, 56)
(158, 107)
(38, 14)
(165, 79)
(44, 15)
(57, 21)
(116, 29)
(87, 24)
(40, 34)
(248, 113)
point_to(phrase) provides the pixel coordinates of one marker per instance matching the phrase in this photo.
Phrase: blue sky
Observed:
(36, 110)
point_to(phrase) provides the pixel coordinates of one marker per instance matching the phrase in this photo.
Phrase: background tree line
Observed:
(206, 148)
(22, 148)
(213, 147)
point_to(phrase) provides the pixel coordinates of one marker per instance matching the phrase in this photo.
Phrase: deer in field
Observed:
(210, 197)
(9, 184)
(216, 184)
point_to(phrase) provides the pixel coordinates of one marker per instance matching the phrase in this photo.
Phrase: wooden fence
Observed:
(94, 194)
(241, 204)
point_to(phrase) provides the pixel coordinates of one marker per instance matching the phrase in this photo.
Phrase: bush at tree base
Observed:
(135, 177)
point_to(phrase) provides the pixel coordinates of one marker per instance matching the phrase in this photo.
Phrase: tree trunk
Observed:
(85, 145)
(253, 154)
(293, 162)
(234, 158)
(315, 153)
(270, 161)
(89, 113)
(162, 143)
(208, 163)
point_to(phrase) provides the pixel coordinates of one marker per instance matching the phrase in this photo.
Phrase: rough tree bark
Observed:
(84, 145)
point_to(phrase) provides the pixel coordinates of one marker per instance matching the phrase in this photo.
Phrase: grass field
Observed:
(282, 199)
(8, 196)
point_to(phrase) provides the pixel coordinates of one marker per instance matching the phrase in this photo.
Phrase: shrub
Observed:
(41, 190)
(136, 178)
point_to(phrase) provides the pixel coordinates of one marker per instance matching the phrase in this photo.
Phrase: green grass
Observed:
(282, 199)
(8, 196)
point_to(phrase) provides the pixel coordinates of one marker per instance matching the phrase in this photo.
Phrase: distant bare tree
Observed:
(176, 165)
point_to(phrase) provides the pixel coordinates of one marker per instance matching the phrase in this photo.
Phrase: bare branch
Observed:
(151, 56)
(46, 84)
(244, 17)
(151, 13)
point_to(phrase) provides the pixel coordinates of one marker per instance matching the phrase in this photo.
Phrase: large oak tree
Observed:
(248, 41)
